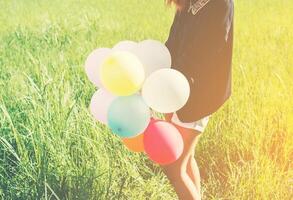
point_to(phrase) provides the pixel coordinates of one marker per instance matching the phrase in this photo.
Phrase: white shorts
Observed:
(199, 125)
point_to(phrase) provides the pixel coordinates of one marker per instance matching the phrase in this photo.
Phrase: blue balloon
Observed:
(128, 116)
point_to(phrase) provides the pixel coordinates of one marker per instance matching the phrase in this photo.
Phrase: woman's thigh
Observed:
(190, 138)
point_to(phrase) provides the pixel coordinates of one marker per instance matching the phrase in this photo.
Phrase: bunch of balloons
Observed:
(134, 78)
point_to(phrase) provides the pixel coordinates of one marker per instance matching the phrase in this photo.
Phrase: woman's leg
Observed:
(180, 180)
(192, 167)
(177, 171)
(193, 172)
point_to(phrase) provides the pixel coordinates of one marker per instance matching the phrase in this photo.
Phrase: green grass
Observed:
(50, 148)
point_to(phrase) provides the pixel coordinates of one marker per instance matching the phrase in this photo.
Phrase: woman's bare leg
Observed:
(192, 167)
(180, 180)
(177, 172)
(193, 172)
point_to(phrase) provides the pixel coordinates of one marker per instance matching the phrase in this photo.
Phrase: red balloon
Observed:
(163, 142)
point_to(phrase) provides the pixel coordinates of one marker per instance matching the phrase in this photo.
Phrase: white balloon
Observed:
(99, 105)
(93, 63)
(126, 45)
(166, 90)
(154, 55)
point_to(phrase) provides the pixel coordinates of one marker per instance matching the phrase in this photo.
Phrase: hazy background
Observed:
(51, 148)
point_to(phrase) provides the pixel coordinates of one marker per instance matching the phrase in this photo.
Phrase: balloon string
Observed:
(152, 113)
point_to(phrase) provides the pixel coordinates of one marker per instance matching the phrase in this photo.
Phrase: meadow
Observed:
(51, 148)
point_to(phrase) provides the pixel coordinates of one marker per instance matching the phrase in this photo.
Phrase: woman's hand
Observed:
(168, 117)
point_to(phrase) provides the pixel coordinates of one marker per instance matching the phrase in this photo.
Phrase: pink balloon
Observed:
(163, 142)
(99, 105)
(93, 63)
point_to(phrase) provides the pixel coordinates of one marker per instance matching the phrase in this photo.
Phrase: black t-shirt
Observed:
(200, 43)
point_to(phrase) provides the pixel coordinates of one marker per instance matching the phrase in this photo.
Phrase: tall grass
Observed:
(50, 148)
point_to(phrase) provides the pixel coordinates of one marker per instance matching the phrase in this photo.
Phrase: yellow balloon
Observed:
(122, 73)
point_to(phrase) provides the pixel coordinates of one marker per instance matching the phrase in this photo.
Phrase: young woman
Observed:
(200, 42)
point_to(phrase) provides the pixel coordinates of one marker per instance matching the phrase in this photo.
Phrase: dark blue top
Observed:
(200, 43)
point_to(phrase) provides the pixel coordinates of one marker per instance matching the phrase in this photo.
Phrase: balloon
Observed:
(166, 90)
(92, 65)
(122, 73)
(163, 142)
(134, 144)
(99, 105)
(128, 116)
(154, 55)
(126, 46)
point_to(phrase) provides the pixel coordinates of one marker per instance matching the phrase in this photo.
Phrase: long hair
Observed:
(180, 4)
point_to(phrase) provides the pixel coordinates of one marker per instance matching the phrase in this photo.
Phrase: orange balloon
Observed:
(134, 144)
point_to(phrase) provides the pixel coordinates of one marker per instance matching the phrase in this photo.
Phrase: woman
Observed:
(200, 42)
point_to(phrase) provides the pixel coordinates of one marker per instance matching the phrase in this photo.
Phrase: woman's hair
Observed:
(178, 3)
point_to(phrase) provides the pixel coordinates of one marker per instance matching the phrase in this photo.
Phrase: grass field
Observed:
(50, 148)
